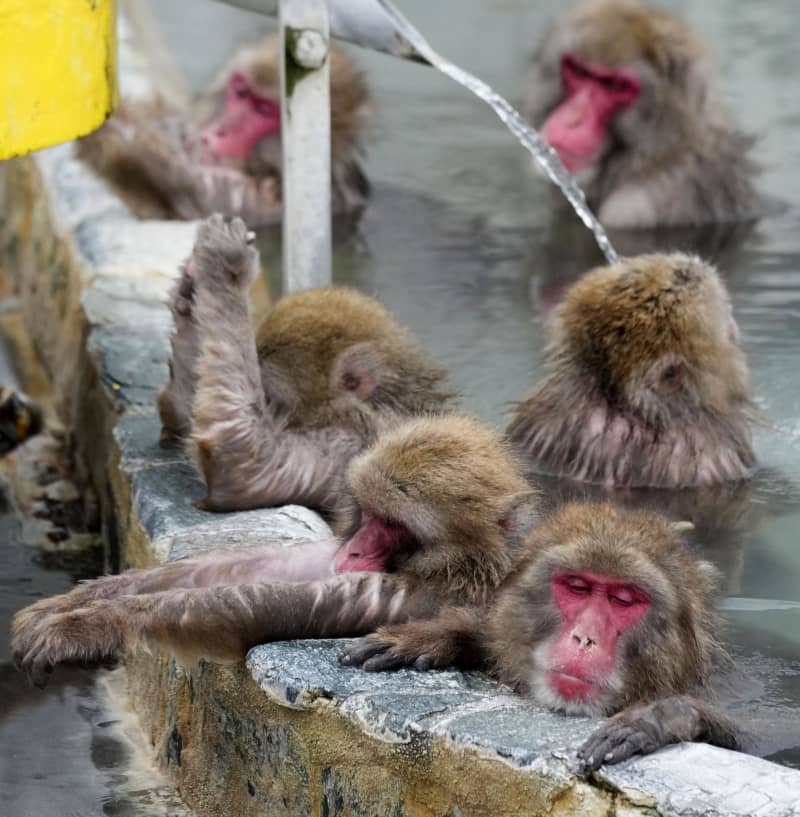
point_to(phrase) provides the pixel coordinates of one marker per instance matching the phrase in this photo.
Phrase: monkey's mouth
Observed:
(378, 545)
(573, 687)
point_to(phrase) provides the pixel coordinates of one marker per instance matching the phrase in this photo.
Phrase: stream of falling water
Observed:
(529, 138)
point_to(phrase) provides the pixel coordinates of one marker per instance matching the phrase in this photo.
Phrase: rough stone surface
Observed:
(290, 733)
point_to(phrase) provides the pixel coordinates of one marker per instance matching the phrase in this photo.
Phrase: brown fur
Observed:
(673, 158)
(278, 419)
(149, 152)
(645, 383)
(454, 484)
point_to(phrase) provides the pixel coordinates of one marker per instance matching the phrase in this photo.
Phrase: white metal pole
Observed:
(306, 144)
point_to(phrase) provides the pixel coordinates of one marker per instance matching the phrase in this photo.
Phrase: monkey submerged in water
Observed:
(437, 514)
(607, 613)
(645, 382)
(275, 418)
(226, 155)
(625, 95)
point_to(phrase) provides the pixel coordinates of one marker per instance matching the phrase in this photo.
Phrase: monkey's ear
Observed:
(358, 370)
(667, 376)
(521, 513)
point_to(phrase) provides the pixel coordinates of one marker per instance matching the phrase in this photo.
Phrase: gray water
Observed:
(470, 250)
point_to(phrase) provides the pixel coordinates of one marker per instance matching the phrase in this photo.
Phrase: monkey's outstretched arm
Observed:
(213, 569)
(247, 458)
(642, 729)
(219, 623)
(449, 639)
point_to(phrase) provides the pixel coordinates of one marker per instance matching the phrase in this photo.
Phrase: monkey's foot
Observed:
(383, 653)
(88, 637)
(224, 254)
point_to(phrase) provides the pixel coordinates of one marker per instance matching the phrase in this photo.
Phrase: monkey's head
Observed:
(336, 357)
(656, 336)
(614, 76)
(246, 131)
(611, 609)
(440, 498)
(646, 384)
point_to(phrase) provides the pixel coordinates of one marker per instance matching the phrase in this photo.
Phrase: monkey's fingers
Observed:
(361, 650)
(223, 252)
(614, 743)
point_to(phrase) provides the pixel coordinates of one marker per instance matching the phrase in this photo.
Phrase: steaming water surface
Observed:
(465, 245)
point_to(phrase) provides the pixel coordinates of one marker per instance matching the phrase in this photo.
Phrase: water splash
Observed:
(543, 154)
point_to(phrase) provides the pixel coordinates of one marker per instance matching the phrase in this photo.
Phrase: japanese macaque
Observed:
(608, 613)
(20, 419)
(276, 419)
(645, 383)
(625, 95)
(226, 155)
(438, 514)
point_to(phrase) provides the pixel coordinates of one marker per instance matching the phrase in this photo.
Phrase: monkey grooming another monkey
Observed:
(625, 95)
(645, 384)
(276, 419)
(608, 612)
(437, 515)
(226, 155)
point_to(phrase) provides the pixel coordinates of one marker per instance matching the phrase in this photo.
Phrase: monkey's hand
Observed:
(89, 636)
(423, 645)
(224, 254)
(640, 730)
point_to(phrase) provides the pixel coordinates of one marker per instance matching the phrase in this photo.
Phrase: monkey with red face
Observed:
(625, 96)
(226, 155)
(607, 613)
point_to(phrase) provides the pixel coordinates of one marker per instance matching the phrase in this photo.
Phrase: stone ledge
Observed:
(290, 733)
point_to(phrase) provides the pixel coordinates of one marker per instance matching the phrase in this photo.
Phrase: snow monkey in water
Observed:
(225, 156)
(275, 418)
(606, 613)
(625, 95)
(645, 383)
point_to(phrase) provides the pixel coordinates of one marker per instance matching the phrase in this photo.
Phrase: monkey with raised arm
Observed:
(225, 156)
(608, 613)
(437, 515)
(277, 417)
(625, 94)
(645, 384)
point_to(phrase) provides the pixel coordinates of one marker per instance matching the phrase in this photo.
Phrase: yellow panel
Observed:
(58, 73)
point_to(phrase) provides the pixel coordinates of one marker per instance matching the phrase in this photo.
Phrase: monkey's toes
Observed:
(361, 650)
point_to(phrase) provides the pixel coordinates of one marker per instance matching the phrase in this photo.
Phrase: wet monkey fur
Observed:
(437, 514)
(275, 417)
(607, 613)
(225, 154)
(645, 383)
(626, 96)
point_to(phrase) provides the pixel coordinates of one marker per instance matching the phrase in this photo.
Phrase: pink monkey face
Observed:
(246, 118)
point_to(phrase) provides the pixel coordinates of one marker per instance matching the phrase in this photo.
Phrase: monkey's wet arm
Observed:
(247, 458)
(220, 623)
(640, 730)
